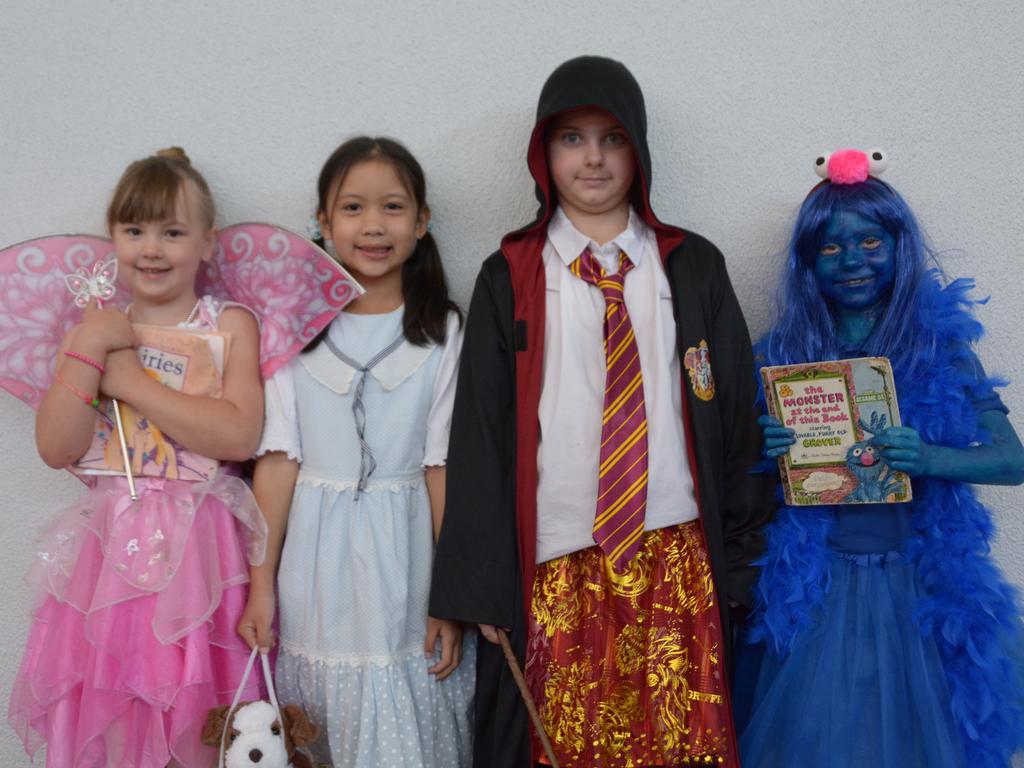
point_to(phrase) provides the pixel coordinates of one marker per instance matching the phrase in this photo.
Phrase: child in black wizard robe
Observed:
(600, 505)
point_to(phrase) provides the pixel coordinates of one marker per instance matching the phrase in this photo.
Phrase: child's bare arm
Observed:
(65, 422)
(449, 632)
(226, 428)
(434, 478)
(273, 485)
(1000, 462)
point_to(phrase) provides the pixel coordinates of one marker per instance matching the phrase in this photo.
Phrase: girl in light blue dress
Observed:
(351, 479)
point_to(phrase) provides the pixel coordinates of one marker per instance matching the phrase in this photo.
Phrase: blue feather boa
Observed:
(969, 608)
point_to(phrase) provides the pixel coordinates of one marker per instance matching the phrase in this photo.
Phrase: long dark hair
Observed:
(424, 286)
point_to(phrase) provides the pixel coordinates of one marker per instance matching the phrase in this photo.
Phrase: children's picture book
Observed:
(187, 360)
(836, 407)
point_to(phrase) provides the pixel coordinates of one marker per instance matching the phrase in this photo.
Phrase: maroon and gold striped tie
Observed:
(622, 476)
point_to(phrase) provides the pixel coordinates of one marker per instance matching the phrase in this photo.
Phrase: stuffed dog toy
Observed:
(256, 739)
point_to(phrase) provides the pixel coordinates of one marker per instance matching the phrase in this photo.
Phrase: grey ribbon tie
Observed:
(366, 461)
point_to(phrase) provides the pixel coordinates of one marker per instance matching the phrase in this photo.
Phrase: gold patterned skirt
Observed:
(627, 668)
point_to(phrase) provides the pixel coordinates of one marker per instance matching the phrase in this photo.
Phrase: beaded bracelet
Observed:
(92, 402)
(87, 360)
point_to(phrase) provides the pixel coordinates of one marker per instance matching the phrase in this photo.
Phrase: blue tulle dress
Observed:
(885, 635)
(863, 676)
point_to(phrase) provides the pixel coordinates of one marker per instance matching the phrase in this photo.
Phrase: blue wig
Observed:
(805, 328)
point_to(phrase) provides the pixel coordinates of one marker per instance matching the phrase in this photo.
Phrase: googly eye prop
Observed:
(850, 166)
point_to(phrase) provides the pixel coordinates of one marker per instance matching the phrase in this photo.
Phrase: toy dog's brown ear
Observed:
(214, 726)
(301, 731)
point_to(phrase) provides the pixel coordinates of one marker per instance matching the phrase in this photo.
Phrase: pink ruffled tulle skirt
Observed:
(133, 638)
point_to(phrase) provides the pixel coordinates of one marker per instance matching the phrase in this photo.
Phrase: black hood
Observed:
(593, 81)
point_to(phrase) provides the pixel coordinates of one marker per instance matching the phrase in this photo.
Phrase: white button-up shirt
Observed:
(572, 392)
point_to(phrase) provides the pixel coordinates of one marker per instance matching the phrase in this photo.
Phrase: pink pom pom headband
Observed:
(850, 166)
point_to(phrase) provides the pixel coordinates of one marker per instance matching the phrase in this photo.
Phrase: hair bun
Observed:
(174, 153)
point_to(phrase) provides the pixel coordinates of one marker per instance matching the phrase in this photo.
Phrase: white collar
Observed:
(337, 375)
(569, 242)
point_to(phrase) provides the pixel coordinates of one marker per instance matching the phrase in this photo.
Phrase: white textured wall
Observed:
(741, 96)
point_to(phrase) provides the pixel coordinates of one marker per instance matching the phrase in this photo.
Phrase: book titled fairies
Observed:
(184, 359)
(835, 408)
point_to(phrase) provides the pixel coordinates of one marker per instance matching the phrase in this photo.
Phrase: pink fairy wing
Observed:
(37, 308)
(294, 287)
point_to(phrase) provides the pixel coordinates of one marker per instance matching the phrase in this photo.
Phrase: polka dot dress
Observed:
(355, 570)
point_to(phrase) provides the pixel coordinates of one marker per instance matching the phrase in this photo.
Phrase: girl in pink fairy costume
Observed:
(133, 638)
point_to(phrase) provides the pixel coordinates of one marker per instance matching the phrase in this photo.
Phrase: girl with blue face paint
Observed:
(889, 637)
(854, 266)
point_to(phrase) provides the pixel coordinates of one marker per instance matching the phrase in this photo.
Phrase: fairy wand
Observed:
(100, 284)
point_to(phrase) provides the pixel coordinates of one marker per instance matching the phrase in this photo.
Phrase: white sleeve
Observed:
(439, 419)
(281, 418)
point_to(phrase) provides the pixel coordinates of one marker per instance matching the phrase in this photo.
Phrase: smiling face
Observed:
(591, 161)
(373, 222)
(855, 265)
(158, 260)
